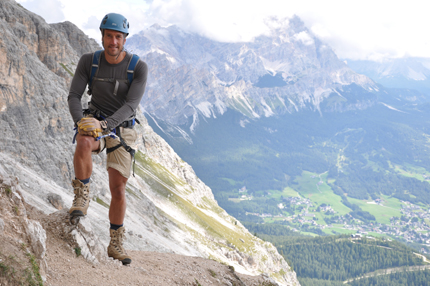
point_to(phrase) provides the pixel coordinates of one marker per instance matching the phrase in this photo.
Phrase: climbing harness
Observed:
(115, 133)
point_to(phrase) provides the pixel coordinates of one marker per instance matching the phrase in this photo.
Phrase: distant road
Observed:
(320, 181)
(423, 257)
(391, 270)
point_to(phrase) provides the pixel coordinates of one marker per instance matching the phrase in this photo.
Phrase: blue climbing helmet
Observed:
(116, 22)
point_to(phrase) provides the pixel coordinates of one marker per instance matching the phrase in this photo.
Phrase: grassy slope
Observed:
(215, 229)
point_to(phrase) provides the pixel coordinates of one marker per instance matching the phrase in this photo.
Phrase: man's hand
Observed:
(90, 126)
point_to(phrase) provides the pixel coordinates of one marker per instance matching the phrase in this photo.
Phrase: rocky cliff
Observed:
(169, 208)
(285, 71)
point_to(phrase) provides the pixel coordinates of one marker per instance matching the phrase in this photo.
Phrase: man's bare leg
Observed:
(82, 161)
(118, 203)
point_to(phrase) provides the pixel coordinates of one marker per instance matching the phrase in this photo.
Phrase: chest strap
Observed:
(95, 70)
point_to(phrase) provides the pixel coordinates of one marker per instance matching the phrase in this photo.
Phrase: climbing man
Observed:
(116, 80)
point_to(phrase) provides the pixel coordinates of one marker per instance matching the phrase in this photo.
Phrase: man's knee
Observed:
(86, 143)
(118, 193)
(117, 184)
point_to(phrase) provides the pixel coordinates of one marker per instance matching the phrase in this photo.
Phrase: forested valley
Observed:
(332, 260)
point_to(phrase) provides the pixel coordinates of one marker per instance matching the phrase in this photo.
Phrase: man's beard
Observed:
(108, 51)
(114, 54)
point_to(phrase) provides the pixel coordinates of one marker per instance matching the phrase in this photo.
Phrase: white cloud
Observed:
(41, 7)
(304, 37)
(354, 29)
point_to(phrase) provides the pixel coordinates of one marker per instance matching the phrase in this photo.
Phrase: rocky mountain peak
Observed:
(285, 71)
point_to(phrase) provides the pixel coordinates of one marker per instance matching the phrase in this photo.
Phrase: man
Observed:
(112, 108)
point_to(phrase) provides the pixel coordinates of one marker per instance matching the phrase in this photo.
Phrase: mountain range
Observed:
(286, 71)
(260, 121)
(408, 72)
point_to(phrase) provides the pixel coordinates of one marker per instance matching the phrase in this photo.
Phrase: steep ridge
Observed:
(169, 208)
(285, 71)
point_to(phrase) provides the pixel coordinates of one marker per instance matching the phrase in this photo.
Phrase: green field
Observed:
(389, 208)
(277, 194)
(412, 172)
(338, 229)
(312, 187)
(289, 192)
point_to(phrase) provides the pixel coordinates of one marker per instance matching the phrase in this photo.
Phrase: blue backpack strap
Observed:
(131, 66)
(94, 68)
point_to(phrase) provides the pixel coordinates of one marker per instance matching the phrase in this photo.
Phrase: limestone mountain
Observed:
(169, 208)
(285, 71)
(407, 72)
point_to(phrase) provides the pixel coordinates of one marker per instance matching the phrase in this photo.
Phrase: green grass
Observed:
(34, 272)
(212, 273)
(170, 183)
(20, 269)
(289, 192)
(338, 230)
(309, 233)
(382, 213)
(376, 234)
(232, 182)
(391, 202)
(307, 183)
(3, 269)
(321, 193)
(320, 216)
(169, 180)
(101, 202)
(67, 70)
(273, 219)
(412, 172)
(276, 194)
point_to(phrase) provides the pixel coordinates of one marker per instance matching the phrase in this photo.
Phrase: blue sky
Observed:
(366, 29)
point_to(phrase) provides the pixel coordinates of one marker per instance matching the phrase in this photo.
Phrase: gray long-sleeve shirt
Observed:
(118, 107)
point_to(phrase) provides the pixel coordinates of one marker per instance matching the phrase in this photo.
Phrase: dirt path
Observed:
(147, 268)
(18, 265)
(389, 271)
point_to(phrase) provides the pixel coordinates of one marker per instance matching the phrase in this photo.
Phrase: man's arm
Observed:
(134, 96)
(77, 88)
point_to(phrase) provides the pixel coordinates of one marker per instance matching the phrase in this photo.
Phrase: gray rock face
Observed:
(79, 236)
(37, 237)
(56, 201)
(169, 208)
(283, 72)
(14, 220)
(32, 80)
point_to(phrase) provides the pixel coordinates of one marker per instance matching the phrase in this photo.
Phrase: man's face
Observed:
(113, 42)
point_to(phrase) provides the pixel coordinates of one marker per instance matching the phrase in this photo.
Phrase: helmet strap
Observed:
(119, 53)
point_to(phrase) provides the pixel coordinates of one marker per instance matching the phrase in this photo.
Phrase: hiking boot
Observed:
(82, 198)
(115, 248)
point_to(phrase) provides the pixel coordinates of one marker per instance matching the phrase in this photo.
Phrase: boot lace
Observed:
(81, 196)
(117, 239)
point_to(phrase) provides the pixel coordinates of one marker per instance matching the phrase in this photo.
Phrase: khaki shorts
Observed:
(119, 159)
